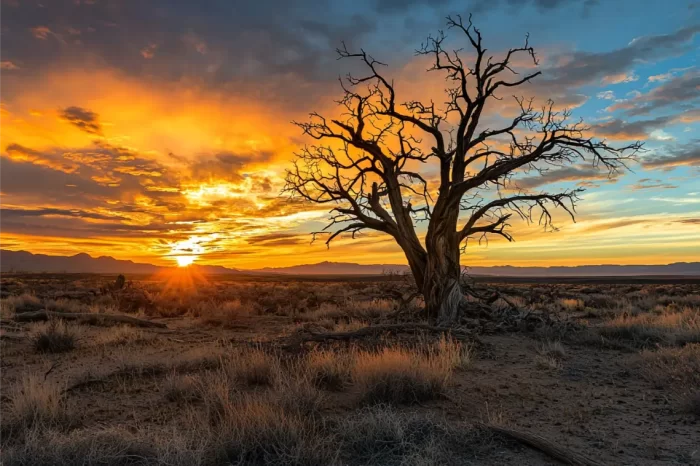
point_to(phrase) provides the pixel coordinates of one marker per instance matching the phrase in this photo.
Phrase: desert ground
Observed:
(332, 371)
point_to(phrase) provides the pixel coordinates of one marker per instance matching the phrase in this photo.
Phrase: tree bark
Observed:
(441, 289)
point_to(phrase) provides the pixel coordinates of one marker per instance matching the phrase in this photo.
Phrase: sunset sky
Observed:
(147, 130)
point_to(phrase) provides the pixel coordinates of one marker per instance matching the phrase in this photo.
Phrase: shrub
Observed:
(54, 336)
(225, 314)
(122, 335)
(328, 370)
(178, 387)
(253, 366)
(34, 402)
(22, 303)
(400, 376)
(258, 432)
(113, 447)
(381, 435)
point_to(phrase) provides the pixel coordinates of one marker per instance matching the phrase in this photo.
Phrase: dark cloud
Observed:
(641, 129)
(683, 90)
(229, 45)
(82, 118)
(480, 6)
(578, 174)
(279, 239)
(682, 155)
(13, 213)
(648, 183)
(585, 68)
(227, 166)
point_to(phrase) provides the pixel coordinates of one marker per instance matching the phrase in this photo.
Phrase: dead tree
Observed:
(369, 163)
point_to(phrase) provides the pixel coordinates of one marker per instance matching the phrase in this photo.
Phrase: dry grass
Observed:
(328, 370)
(668, 326)
(570, 304)
(382, 435)
(122, 335)
(182, 387)
(54, 336)
(677, 370)
(673, 366)
(22, 303)
(226, 314)
(401, 375)
(253, 366)
(35, 402)
(255, 430)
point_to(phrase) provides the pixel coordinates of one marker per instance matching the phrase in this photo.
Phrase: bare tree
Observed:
(370, 162)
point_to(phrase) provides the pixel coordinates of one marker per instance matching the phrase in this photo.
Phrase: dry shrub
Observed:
(350, 326)
(257, 431)
(401, 375)
(678, 370)
(122, 335)
(358, 310)
(23, 303)
(65, 305)
(328, 370)
(297, 394)
(271, 427)
(54, 336)
(547, 362)
(35, 402)
(673, 366)
(225, 314)
(381, 435)
(454, 353)
(668, 327)
(181, 387)
(110, 447)
(553, 349)
(570, 304)
(253, 366)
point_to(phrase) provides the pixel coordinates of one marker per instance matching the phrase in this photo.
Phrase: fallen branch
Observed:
(87, 318)
(547, 447)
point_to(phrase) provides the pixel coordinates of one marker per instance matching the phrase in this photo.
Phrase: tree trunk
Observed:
(441, 289)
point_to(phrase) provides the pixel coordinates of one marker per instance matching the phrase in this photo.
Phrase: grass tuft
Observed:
(54, 336)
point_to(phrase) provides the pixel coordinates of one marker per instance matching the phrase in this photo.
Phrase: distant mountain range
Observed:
(344, 268)
(22, 261)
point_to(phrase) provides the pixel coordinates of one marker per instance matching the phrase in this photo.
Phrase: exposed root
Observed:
(564, 455)
(87, 318)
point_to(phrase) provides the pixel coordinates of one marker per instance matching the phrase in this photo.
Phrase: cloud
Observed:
(8, 65)
(658, 78)
(648, 183)
(642, 129)
(571, 71)
(13, 213)
(683, 89)
(579, 174)
(606, 95)
(82, 118)
(40, 32)
(279, 239)
(682, 155)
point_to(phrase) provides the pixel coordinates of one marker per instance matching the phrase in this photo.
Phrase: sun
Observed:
(184, 261)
